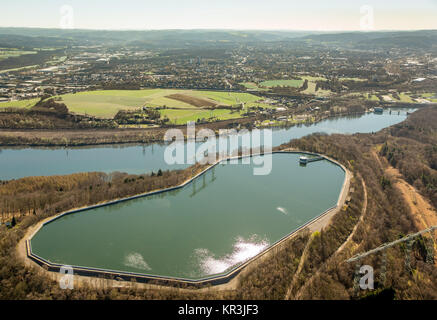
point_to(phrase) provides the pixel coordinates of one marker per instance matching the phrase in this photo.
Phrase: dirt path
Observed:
(335, 254)
(424, 214)
(363, 213)
(299, 268)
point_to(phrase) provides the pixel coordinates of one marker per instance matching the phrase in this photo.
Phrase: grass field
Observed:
(250, 85)
(312, 90)
(282, 83)
(229, 98)
(310, 78)
(18, 69)
(372, 97)
(312, 86)
(430, 96)
(291, 83)
(10, 53)
(352, 79)
(181, 105)
(105, 104)
(253, 86)
(19, 104)
(195, 101)
(57, 60)
(182, 116)
(404, 97)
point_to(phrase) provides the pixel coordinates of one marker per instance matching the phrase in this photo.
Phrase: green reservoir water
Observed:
(220, 220)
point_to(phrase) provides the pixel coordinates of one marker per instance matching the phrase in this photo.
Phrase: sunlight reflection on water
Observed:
(243, 250)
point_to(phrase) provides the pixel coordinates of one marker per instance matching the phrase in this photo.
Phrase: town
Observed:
(301, 75)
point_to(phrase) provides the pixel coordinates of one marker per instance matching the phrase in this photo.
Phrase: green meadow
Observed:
(106, 103)
(182, 116)
(282, 83)
(311, 78)
(253, 86)
(18, 69)
(27, 104)
(312, 86)
(11, 53)
(249, 85)
(403, 97)
(296, 83)
(429, 96)
(352, 79)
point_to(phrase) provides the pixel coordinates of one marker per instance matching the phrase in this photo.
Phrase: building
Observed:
(303, 160)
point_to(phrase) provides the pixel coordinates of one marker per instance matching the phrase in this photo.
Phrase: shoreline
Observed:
(226, 280)
(137, 141)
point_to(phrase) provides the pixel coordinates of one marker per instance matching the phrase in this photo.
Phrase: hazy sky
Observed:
(223, 14)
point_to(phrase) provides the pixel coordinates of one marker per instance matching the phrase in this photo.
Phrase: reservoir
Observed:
(137, 159)
(213, 224)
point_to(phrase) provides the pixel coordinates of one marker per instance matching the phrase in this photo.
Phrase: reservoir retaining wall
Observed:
(175, 281)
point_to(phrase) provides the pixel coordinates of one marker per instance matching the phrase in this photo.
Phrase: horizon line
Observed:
(217, 29)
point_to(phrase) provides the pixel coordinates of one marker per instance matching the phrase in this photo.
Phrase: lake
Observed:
(213, 224)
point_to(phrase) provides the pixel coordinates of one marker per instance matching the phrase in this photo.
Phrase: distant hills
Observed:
(151, 37)
(398, 39)
(37, 37)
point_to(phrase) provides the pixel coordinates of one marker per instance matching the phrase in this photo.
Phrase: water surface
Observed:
(136, 159)
(215, 223)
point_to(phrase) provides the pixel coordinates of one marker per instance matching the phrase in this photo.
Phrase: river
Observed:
(136, 159)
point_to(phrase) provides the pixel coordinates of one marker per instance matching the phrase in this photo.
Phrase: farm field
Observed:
(106, 104)
(388, 98)
(282, 83)
(249, 85)
(252, 86)
(403, 97)
(352, 79)
(356, 95)
(57, 60)
(182, 116)
(10, 53)
(18, 69)
(311, 78)
(312, 87)
(372, 97)
(432, 97)
(296, 83)
(27, 104)
(229, 98)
